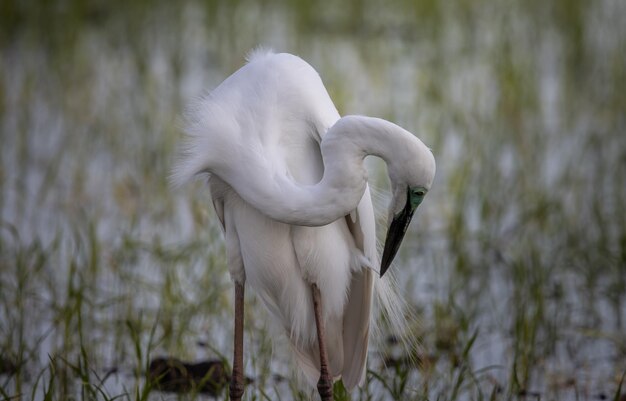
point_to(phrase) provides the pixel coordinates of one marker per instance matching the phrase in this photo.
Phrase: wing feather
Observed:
(356, 322)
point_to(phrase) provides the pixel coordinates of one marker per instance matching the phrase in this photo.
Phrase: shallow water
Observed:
(521, 240)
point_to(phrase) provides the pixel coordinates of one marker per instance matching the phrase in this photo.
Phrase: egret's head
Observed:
(411, 176)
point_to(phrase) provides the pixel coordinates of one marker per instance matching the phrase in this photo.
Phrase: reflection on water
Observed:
(516, 267)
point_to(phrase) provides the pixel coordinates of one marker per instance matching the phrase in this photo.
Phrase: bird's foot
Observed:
(325, 388)
(236, 389)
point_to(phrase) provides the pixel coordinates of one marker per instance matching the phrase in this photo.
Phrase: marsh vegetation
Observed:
(515, 273)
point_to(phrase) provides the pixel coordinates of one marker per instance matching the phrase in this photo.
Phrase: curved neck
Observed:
(338, 193)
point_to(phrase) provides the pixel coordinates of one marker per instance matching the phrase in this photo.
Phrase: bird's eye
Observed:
(419, 192)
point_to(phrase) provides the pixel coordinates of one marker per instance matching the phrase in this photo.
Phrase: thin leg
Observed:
(236, 380)
(325, 383)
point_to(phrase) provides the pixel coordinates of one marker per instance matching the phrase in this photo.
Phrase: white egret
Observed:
(287, 181)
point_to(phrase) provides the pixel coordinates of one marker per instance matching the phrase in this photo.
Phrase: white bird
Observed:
(287, 181)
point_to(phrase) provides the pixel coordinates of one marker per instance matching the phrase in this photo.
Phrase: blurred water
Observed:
(522, 237)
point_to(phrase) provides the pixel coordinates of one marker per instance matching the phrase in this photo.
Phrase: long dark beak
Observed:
(396, 232)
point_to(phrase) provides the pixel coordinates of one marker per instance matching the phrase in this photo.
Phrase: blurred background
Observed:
(515, 271)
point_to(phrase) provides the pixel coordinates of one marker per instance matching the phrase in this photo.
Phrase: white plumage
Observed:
(288, 184)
